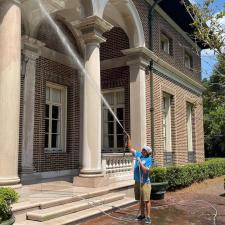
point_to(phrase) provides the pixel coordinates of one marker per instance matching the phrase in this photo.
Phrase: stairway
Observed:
(70, 210)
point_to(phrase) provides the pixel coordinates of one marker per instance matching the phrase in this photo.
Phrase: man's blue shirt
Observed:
(139, 175)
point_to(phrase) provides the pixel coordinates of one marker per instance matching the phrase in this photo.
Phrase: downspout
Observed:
(150, 18)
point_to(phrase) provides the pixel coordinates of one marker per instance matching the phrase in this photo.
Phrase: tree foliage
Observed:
(214, 111)
(207, 23)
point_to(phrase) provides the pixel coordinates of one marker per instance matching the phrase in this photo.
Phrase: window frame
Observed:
(114, 108)
(63, 117)
(190, 63)
(166, 116)
(189, 127)
(165, 38)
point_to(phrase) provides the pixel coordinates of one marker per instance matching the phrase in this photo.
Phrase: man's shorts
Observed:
(144, 193)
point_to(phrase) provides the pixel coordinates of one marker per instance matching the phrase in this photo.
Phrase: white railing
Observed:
(117, 164)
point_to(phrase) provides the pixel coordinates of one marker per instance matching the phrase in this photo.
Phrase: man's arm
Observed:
(129, 146)
(143, 168)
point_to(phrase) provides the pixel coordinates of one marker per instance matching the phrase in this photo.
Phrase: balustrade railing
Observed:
(117, 164)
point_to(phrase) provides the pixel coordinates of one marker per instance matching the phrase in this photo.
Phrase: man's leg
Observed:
(142, 208)
(148, 208)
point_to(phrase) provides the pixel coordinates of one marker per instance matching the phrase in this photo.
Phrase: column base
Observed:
(10, 182)
(91, 180)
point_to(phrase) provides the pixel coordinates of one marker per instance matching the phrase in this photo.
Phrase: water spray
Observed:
(77, 61)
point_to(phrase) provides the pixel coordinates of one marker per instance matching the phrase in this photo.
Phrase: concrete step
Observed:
(78, 217)
(69, 208)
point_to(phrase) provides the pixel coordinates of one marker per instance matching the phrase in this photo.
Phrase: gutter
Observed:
(150, 18)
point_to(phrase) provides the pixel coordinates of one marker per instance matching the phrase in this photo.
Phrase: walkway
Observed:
(190, 206)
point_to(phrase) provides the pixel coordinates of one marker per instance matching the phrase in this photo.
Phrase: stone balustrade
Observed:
(117, 164)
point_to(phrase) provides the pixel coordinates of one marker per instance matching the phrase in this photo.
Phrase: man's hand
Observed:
(138, 159)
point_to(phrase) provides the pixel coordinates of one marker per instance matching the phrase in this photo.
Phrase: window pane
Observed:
(111, 141)
(46, 111)
(110, 116)
(54, 136)
(106, 141)
(119, 129)
(47, 93)
(46, 126)
(56, 95)
(55, 112)
(55, 128)
(120, 141)
(111, 128)
(58, 141)
(109, 97)
(46, 140)
(120, 97)
(120, 113)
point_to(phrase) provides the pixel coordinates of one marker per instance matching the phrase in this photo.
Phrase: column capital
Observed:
(31, 47)
(92, 28)
(138, 57)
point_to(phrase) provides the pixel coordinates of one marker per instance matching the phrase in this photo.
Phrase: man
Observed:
(142, 187)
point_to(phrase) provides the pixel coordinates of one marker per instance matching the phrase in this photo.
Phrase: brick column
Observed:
(10, 48)
(91, 173)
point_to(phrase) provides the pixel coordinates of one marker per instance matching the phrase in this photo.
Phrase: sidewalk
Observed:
(190, 206)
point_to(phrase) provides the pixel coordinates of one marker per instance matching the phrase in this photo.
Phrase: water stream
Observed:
(77, 62)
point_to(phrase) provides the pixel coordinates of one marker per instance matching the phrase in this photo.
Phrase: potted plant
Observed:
(159, 182)
(8, 196)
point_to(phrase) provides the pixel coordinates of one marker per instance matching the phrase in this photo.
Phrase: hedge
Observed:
(183, 176)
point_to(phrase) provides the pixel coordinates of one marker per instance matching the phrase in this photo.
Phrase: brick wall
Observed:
(117, 40)
(180, 96)
(179, 44)
(56, 73)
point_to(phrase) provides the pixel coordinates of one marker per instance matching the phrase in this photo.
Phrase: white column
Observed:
(91, 161)
(92, 28)
(138, 103)
(31, 52)
(10, 48)
(28, 112)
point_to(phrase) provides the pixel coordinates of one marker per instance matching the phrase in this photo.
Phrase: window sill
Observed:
(54, 151)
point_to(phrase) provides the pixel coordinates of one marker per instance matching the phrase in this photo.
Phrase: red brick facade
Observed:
(56, 73)
(117, 40)
(180, 97)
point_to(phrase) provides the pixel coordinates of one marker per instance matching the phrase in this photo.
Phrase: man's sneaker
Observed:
(148, 220)
(140, 217)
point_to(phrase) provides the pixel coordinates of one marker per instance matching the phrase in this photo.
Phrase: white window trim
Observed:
(189, 66)
(167, 41)
(167, 111)
(114, 90)
(63, 124)
(189, 128)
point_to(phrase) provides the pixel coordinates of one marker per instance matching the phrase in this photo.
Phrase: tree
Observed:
(214, 111)
(207, 24)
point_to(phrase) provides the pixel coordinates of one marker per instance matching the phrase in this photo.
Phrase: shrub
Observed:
(183, 176)
(158, 174)
(8, 196)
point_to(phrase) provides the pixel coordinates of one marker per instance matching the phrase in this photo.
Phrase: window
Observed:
(188, 61)
(112, 131)
(166, 113)
(55, 118)
(165, 43)
(189, 128)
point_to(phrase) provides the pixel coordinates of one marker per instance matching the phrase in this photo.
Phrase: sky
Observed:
(208, 57)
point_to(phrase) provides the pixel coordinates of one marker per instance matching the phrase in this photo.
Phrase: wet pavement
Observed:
(196, 205)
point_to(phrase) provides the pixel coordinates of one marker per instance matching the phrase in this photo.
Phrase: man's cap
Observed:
(147, 149)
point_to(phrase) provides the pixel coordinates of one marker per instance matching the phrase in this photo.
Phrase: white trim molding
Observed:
(165, 68)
